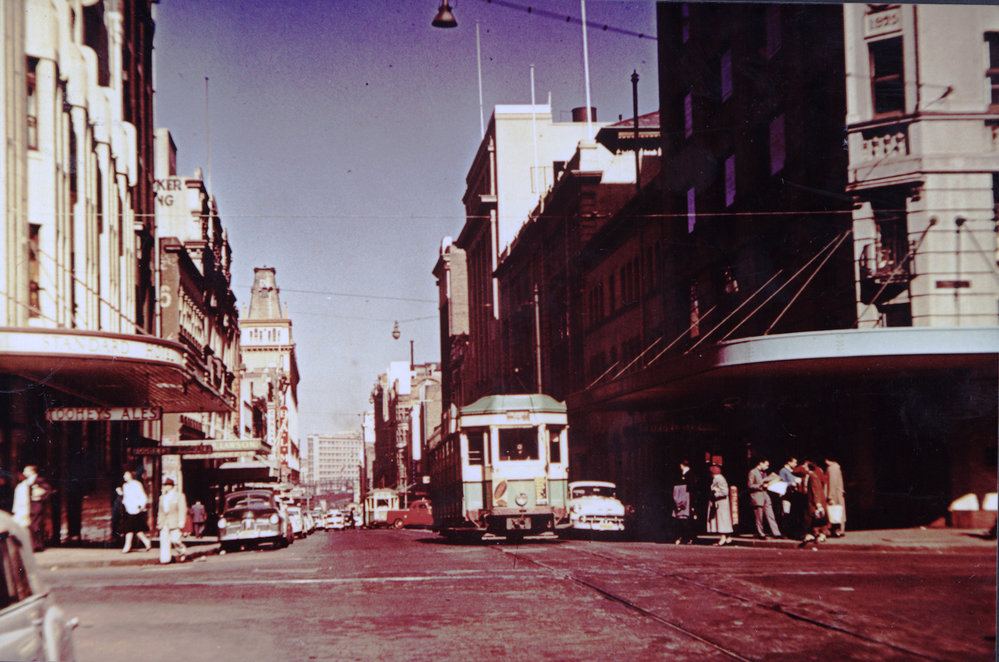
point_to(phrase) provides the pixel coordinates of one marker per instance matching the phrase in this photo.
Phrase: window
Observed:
(685, 22)
(777, 148)
(688, 115)
(887, 79)
(993, 71)
(32, 110)
(726, 75)
(34, 255)
(730, 181)
(518, 443)
(691, 210)
(476, 446)
(554, 447)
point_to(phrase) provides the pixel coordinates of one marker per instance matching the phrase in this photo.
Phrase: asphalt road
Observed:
(403, 595)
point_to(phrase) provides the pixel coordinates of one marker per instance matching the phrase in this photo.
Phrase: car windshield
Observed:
(247, 501)
(593, 490)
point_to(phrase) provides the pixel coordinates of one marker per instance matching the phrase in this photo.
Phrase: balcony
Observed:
(885, 269)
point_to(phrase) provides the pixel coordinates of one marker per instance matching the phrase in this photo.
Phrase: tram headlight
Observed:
(521, 499)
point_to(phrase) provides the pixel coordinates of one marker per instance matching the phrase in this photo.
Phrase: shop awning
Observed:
(860, 353)
(256, 471)
(109, 369)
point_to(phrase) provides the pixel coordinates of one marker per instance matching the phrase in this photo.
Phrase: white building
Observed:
(333, 462)
(923, 133)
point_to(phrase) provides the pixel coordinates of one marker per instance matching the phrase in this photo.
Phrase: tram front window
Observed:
(518, 444)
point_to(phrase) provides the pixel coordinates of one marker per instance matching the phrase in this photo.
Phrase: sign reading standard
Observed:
(72, 414)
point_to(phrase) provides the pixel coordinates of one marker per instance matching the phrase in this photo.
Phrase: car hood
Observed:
(599, 505)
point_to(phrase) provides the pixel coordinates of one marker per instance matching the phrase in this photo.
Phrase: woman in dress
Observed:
(719, 507)
(133, 501)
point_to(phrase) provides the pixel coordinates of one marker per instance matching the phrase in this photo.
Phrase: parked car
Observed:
(337, 521)
(320, 518)
(418, 514)
(32, 626)
(251, 517)
(594, 506)
(297, 521)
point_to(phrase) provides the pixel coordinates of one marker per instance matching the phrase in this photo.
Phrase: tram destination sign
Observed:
(74, 414)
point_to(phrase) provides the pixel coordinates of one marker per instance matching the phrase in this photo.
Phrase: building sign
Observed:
(883, 22)
(74, 414)
(170, 450)
(88, 345)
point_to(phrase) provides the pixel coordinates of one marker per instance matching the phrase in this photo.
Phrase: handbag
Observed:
(837, 514)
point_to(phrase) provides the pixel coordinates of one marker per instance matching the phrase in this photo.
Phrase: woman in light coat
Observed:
(719, 507)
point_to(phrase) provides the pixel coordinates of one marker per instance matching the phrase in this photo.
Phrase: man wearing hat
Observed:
(172, 515)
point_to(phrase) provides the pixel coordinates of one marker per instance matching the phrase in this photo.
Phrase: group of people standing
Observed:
(804, 500)
(702, 503)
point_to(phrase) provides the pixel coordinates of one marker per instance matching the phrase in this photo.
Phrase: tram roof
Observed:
(497, 404)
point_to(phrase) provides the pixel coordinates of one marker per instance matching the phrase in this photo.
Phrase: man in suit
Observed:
(763, 507)
(171, 519)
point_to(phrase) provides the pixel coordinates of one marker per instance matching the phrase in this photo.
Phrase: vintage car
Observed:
(337, 522)
(251, 517)
(594, 506)
(32, 627)
(297, 521)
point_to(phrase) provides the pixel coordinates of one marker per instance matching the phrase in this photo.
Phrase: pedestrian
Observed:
(171, 518)
(682, 511)
(763, 507)
(198, 518)
(792, 503)
(30, 498)
(836, 498)
(816, 515)
(719, 507)
(135, 521)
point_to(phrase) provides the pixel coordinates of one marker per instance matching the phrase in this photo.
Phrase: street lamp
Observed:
(444, 17)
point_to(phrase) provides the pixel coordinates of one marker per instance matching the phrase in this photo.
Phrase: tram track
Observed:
(799, 616)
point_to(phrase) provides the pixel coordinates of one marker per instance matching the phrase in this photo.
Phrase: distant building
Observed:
(270, 377)
(407, 409)
(333, 463)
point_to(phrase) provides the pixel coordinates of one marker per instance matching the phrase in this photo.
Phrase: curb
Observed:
(132, 559)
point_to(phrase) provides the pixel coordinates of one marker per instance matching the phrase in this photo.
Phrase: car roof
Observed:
(592, 483)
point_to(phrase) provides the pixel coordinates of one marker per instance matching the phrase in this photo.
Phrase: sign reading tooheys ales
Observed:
(73, 414)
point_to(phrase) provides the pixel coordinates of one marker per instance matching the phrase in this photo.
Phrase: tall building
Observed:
(519, 157)
(197, 309)
(333, 463)
(85, 381)
(270, 375)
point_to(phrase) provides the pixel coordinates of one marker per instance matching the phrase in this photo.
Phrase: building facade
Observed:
(86, 380)
(407, 400)
(269, 381)
(810, 273)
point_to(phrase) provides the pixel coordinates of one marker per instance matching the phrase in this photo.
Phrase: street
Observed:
(408, 594)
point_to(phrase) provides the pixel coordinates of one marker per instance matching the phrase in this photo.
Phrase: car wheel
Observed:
(397, 524)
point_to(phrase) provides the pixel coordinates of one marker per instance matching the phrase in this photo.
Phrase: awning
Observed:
(110, 369)
(860, 353)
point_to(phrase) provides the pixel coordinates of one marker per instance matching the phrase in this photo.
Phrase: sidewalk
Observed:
(915, 539)
(96, 555)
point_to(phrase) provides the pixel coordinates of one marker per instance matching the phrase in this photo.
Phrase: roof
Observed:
(496, 404)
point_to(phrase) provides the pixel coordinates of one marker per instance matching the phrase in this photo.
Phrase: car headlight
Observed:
(521, 499)
(274, 519)
(577, 508)
(222, 523)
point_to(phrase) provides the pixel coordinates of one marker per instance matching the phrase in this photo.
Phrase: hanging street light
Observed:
(444, 17)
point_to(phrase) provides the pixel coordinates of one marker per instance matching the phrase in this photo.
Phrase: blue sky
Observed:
(336, 137)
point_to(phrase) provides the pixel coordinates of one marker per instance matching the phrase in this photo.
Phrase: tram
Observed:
(502, 468)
